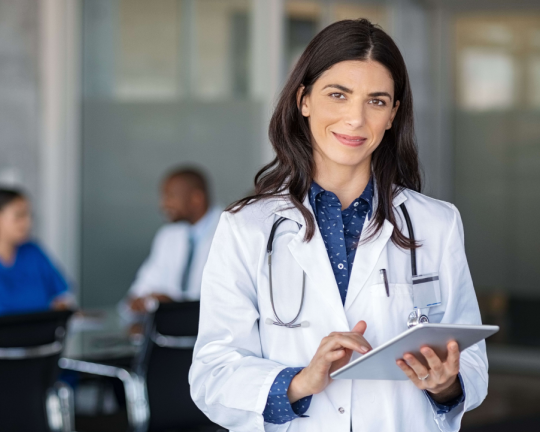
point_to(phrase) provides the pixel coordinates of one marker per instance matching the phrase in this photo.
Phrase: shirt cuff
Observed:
(278, 409)
(451, 404)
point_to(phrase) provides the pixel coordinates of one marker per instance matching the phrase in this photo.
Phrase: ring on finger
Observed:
(423, 378)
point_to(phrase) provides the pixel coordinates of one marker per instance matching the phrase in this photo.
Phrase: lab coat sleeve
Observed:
(462, 308)
(229, 379)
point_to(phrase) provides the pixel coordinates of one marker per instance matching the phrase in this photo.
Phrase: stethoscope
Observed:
(269, 250)
(415, 317)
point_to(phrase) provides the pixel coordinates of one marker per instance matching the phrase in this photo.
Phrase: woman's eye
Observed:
(337, 95)
(378, 102)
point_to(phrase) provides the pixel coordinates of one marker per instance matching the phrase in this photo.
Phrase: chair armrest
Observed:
(178, 342)
(134, 386)
(17, 353)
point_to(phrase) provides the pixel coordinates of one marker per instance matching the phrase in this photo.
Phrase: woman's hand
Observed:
(334, 352)
(440, 379)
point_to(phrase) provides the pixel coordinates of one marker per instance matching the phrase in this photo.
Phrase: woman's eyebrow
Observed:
(379, 94)
(339, 87)
(348, 90)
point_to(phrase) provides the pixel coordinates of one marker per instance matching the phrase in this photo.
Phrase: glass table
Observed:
(100, 335)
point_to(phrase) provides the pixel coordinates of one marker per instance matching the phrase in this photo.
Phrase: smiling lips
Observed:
(351, 141)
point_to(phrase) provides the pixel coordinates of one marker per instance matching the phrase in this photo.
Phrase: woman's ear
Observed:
(301, 102)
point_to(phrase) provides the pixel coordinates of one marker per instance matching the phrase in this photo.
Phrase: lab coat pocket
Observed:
(390, 312)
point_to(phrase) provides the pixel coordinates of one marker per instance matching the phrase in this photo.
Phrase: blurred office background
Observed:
(99, 97)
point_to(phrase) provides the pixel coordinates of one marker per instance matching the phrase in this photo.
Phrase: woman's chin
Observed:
(348, 160)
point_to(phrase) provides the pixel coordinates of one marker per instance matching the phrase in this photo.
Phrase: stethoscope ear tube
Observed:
(270, 244)
(411, 238)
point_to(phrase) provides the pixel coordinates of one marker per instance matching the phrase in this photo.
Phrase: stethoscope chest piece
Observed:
(416, 318)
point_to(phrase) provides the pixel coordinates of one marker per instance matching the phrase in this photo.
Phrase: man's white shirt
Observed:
(163, 270)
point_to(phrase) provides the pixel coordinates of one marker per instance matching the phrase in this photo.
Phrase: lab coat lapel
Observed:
(368, 253)
(312, 257)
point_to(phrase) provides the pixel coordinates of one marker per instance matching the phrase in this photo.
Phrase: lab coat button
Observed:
(341, 410)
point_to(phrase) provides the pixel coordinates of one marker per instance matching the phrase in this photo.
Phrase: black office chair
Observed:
(30, 397)
(157, 388)
(165, 361)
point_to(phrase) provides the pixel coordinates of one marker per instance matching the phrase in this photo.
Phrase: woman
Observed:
(28, 280)
(345, 162)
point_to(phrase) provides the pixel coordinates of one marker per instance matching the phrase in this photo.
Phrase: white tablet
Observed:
(380, 364)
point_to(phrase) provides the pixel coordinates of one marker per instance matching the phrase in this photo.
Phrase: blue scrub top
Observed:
(31, 283)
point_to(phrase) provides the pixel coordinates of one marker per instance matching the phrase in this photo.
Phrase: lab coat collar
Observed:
(283, 206)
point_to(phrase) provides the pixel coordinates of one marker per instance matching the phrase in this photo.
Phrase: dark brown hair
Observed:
(7, 196)
(394, 162)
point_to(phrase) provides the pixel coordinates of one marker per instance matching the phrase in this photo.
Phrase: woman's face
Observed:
(15, 221)
(349, 108)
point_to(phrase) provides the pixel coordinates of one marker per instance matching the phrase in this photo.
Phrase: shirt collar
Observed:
(366, 195)
(199, 228)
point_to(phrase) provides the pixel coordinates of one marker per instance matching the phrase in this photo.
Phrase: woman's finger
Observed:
(332, 356)
(352, 341)
(418, 368)
(360, 338)
(434, 362)
(452, 361)
(411, 374)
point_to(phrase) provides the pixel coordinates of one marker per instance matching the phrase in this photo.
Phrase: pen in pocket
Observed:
(385, 281)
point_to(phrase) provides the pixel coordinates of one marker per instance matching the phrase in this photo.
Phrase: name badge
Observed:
(426, 290)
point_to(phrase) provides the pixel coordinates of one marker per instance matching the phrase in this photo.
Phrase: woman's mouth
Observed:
(348, 140)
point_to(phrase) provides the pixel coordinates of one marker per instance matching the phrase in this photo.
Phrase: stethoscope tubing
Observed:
(411, 237)
(269, 250)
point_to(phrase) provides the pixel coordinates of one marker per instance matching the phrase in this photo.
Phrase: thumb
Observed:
(360, 327)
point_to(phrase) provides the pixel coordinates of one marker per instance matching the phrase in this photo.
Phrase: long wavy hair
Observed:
(394, 162)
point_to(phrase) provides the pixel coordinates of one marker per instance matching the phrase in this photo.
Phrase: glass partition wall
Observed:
(175, 82)
(165, 84)
(496, 151)
(497, 164)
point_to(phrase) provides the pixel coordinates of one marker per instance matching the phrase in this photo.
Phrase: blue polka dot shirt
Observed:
(341, 229)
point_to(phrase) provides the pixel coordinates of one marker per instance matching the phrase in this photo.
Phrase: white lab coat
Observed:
(237, 356)
(163, 270)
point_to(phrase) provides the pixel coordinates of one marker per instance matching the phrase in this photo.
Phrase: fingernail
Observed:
(363, 349)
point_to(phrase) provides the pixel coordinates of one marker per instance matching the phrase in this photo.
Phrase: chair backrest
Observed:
(165, 361)
(30, 346)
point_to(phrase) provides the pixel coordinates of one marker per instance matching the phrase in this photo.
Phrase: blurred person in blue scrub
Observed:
(29, 282)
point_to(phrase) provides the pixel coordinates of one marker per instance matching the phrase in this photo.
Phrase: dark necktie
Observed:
(189, 260)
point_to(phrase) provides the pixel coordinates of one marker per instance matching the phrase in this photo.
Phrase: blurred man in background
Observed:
(173, 270)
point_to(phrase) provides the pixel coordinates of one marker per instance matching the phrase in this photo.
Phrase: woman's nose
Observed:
(355, 115)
